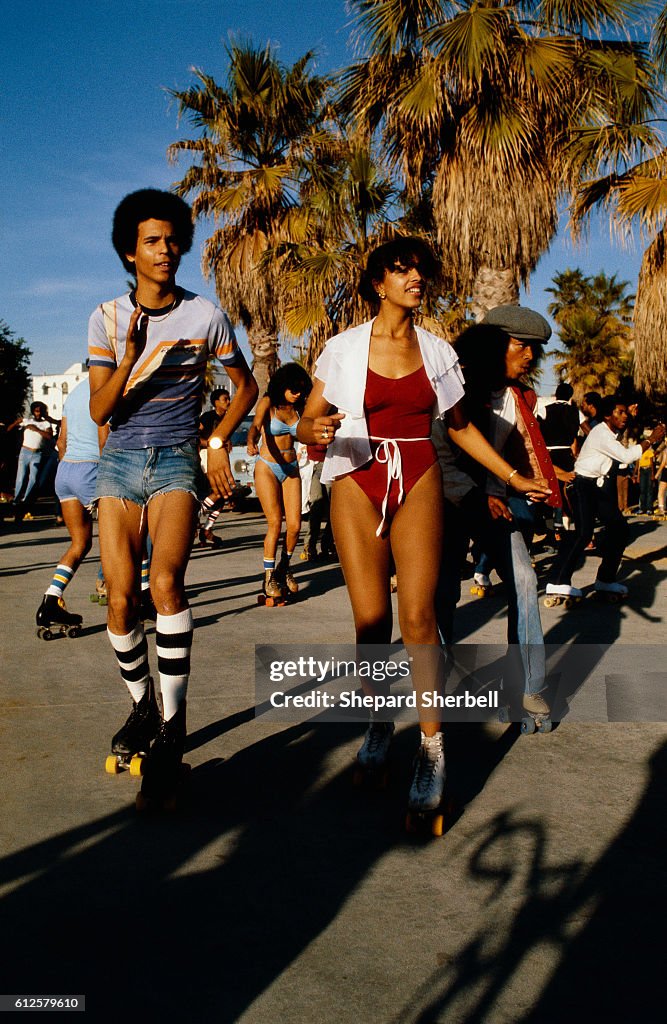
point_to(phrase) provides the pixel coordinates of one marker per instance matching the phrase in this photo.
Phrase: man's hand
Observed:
(535, 488)
(137, 331)
(219, 472)
(657, 433)
(498, 509)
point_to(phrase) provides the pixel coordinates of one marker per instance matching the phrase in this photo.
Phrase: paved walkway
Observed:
(281, 893)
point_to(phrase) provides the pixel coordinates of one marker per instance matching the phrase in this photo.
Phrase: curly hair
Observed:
(149, 204)
(402, 252)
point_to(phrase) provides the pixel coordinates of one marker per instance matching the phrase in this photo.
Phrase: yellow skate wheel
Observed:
(111, 765)
(437, 825)
(136, 766)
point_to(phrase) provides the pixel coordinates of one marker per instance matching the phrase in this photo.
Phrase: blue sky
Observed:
(87, 120)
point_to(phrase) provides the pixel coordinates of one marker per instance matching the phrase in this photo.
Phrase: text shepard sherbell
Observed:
(378, 702)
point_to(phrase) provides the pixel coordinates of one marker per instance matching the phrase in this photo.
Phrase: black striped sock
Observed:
(174, 642)
(132, 653)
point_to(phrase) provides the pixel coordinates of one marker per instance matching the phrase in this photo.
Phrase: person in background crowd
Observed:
(595, 493)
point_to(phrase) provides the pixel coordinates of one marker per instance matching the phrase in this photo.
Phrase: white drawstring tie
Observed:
(391, 453)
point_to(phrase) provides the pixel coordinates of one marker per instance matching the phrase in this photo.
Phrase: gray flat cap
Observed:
(519, 322)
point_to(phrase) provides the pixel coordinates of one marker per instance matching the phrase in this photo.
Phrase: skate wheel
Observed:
(94, 598)
(112, 766)
(136, 766)
(73, 631)
(551, 602)
(44, 633)
(102, 601)
(545, 726)
(528, 726)
(437, 825)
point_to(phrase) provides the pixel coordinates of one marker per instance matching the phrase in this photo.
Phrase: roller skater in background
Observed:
(377, 387)
(37, 434)
(80, 442)
(211, 505)
(148, 353)
(594, 493)
(277, 477)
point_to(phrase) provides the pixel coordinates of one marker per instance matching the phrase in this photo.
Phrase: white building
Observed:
(53, 388)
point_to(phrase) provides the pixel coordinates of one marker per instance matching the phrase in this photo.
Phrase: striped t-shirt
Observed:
(162, 398)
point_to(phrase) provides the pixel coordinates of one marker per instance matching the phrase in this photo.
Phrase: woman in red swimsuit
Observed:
(377, 387)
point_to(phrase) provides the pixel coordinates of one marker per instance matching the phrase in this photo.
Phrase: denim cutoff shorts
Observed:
(139, 474)
(75, 481)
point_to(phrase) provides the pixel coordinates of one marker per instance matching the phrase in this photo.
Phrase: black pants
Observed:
(588, 501)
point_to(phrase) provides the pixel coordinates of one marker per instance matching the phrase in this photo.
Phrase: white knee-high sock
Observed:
(174, 642)
(131, 651)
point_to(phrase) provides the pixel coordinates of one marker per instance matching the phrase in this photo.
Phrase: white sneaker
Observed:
(563, 590)
(428, 783)
(375, 748)
(481, 579)
(611, 588)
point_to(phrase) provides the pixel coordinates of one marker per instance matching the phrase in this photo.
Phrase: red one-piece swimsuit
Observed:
(396, 412)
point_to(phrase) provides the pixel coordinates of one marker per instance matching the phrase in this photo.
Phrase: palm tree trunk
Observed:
(264, 348)
(650, 370)
(493, 287)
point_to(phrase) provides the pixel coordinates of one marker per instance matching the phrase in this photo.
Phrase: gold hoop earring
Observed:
(383, 295)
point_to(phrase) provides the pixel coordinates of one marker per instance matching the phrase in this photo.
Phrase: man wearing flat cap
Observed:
(496, 356)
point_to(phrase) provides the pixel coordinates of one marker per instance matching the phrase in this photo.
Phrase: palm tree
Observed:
(594, 315)
(630, 181)
(256, 137)
(480, 100)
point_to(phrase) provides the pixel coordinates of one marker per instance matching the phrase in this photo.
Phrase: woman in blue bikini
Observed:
(277, 479)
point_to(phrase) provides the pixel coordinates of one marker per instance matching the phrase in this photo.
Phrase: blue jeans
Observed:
(139, 474)
(27, 474)
(507, 545)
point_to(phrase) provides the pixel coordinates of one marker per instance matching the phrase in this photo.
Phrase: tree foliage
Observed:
(594, 316)
(15, 379)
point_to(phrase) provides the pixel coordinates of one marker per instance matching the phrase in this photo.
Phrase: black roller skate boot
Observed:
(132, 742)
(53, 618)
(164, 768)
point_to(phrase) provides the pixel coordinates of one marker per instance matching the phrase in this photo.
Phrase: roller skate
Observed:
(612, 593)
(273, 594)
(208, 539)
(562, 593)
(538, 714)
(132, 742)
(285, 577)
(53, 619)
(371, 763)
(163, 768)
(309, 554)
(428, 786)
(481, 586)
(100, 594)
